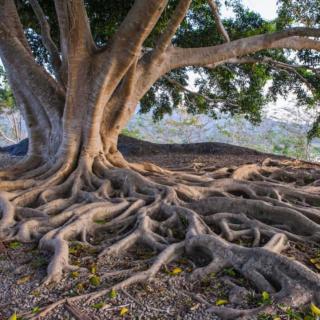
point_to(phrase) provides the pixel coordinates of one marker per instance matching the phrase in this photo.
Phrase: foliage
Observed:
(10, 118)
(283, 135)
(236, 89)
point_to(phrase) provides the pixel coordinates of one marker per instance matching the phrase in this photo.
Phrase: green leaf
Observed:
(93, 269)
(36, 309)
(230, 272)
(98, 305)
(95, 280)
(15, 245)
(113, 293)
(265, 296)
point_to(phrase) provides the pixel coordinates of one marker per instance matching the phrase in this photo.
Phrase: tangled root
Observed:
(176, 214)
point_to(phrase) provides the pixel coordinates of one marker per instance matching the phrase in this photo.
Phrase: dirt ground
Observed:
(170, 296)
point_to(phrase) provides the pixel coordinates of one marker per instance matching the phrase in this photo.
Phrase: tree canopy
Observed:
(79, 86)
(242, 86)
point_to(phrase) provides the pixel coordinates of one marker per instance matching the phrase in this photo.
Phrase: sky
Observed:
(267, 8)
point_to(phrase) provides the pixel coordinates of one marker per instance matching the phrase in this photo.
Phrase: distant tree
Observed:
(11, 129)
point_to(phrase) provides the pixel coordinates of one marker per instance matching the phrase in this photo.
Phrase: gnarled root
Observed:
(175, 214)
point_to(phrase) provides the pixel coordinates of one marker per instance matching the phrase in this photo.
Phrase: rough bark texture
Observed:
(74, 175)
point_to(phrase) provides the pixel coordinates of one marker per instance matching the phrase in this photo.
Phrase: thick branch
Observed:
(292, 38)
(220, 26)
(75, 34)
(176, 19)
(32, 76)
(46, 38)
(137, 25)
(10, 22)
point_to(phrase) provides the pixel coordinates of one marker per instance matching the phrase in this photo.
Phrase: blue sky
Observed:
(267, 8)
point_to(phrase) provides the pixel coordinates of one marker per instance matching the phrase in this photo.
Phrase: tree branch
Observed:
(126, 44)
(220, 26)
(275, 64)
(46, 38)
(75, 33)
(10, 23)
(208, 99)
(174, 23)
(19, 63)
(294, 38)
(137, 25)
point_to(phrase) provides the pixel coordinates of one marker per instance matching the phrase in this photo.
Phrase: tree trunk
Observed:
(74, 175)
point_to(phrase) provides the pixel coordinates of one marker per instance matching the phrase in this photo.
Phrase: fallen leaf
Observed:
(98, 305)
(123, 311)
(176, 271)
(80, 287)
(93, 269)
(74, 274)
(314, 309)
(36, 309)
(317, 265)
(36, 293)
(230, 272)
(95, 280)
(221, 302)
(24, 279)
(13, 317)
(15, 245)
(112, 294)
(265, 296)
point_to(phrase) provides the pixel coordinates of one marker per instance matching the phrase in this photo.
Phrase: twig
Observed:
(115, 308)
(75, 312)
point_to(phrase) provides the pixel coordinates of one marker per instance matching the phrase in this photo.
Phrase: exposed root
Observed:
(203, 217)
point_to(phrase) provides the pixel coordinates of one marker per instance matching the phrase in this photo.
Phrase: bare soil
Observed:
(170, 295)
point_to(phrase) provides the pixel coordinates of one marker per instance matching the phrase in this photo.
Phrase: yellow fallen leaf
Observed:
(95, 280)
(123, 311)
(13, 317)
(176, 271)
(265, 296)
(93, 269)
(314, 309)
(74, 274)
(276, 318)
(317, 265)
(24, 279)
(221, 302)
(80, 286)
(314, 260)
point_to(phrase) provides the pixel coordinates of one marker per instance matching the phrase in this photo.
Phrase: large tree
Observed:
(79, 69)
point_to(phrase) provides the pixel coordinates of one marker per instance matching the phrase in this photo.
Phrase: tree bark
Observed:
(74, 175)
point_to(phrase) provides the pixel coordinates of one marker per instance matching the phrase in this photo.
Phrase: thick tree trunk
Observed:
(74, 175)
